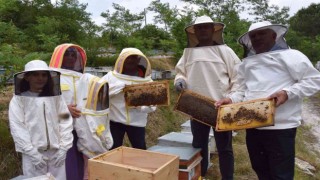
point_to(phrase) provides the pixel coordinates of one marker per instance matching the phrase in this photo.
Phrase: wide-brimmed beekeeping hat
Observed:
(280, 30)
(217, 36)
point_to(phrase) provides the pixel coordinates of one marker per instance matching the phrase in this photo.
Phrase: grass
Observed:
(10, 160)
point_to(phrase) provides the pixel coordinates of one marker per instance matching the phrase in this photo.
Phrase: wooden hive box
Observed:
(147, 94)
(198, 107)
(189, 160)
(126, 163)
(245, 115)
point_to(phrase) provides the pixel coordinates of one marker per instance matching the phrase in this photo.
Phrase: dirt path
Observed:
(311, 117)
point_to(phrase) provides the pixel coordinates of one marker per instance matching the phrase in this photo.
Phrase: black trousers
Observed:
(224, 146)
(135, 134)
(272, 153)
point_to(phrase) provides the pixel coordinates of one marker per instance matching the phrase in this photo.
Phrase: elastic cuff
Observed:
(289, 93)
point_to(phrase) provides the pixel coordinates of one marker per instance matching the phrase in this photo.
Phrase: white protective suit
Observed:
(41, 127)
(93, 127)
(70, 76)
(117, 81)
(269, 72)
(217, 64)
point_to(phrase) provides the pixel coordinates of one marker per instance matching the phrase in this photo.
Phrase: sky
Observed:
(96, 7)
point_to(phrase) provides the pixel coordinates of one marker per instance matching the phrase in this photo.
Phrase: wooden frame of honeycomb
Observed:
(147, 94)
(249, 114)
(198, 107)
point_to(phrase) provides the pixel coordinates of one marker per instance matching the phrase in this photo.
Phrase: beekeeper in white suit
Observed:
(273, 70)
(40, 122)
(132, 67)
(93, 126)
(208, 67)
(70, 60)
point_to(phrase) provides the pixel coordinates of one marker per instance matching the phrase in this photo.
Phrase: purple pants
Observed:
(74, 161)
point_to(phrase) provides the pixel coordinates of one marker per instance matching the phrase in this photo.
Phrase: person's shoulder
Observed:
(225, 46)
(293, 53)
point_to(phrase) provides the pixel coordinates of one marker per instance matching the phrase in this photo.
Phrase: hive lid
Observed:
(184, 153)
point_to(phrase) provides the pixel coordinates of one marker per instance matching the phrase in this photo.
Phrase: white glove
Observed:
(37, 159)
(59, 157)
(180, 85)
(41, 164)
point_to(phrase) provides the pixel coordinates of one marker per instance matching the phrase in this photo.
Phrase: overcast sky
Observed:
(95, 7)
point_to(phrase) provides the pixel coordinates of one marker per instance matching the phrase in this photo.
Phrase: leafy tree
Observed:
(153, 35)
(10, 34)
(164, 15)
(216, 9)
(304, 32)
(122, 20)
(120, 26)
(306, 21)
(262, 10)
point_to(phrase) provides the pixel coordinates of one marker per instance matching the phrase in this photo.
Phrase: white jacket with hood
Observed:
(93, 127)
(119, 112)
(261, 75)
(208, 70)
(40, 123)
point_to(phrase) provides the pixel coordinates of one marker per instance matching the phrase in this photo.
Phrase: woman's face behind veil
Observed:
(37, 80)
(103, 98)
(69, 60)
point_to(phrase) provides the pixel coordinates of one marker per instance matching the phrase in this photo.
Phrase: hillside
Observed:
(162, 62)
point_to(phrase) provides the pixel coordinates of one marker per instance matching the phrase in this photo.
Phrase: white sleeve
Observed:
(18, 127)
(180, 68)
(232, 62)
(238, 94)
(306, 76)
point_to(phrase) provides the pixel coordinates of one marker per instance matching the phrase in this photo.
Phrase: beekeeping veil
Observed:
(63, 50)
(126, 52)
(52, 86)
(280, 30)
(217, 36)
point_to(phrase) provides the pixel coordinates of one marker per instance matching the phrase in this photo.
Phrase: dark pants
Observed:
(224, 146)
(136, 135)
(74, 161)
(272, 153)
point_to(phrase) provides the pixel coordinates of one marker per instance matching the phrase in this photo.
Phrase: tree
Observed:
(262, 10)
(122, 20)
(120, 26)
(304, 33)
(164, 15)
(153, 35)
(306, 21)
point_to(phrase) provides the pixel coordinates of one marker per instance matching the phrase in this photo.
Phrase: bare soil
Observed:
(311, 117)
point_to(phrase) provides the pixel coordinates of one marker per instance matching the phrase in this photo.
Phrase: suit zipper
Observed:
(46, 124)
